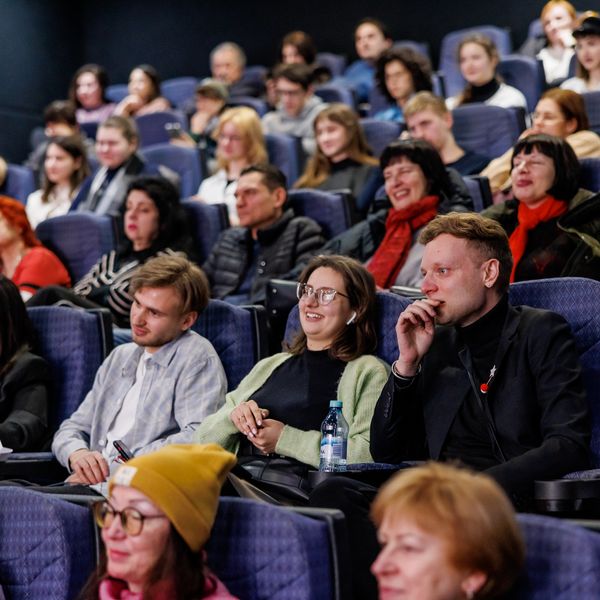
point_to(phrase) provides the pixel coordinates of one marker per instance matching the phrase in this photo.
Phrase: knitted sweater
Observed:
(359, 388)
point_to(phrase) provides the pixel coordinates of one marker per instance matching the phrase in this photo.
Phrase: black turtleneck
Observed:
(482, 93)
(468, 439)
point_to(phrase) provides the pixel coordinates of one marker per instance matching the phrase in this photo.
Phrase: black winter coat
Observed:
(283, 245)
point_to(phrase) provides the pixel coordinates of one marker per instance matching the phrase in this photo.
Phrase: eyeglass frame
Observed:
(123, 517)
(318, 294)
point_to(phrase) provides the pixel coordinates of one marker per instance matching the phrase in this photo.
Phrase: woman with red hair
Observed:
(22, 256)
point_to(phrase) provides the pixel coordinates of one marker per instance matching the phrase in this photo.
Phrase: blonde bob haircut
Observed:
(318, 168)
(468, 511)
(247, 123)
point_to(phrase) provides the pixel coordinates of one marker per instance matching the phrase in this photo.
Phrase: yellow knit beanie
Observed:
(184, 481)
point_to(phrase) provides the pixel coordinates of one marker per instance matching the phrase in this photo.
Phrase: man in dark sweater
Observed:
(427, 118)
(269, 243)
(496, 387)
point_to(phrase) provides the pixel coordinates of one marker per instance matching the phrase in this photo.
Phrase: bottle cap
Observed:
(336, 404)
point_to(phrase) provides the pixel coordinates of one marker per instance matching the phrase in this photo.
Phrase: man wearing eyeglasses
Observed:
(298, 106)
(270, 242)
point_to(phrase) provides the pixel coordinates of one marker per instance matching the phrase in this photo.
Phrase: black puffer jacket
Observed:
(288, 242)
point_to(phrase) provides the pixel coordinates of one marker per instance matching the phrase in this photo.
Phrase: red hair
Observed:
(14, 212)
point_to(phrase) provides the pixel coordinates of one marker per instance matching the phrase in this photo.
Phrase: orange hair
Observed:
(14, 212)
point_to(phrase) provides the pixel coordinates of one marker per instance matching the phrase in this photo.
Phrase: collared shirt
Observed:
(184, 382)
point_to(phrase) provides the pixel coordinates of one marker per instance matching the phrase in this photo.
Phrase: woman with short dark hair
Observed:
(554, 227)
(24, 377)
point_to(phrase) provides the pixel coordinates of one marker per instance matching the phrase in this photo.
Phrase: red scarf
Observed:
(530, 218)
(399, 228)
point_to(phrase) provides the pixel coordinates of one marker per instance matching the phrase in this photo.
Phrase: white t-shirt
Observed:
(579, 85)
(216, 190)
(556, 62)
(506, 97)
(59, 202)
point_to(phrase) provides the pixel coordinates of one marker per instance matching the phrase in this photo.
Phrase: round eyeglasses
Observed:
(324, 295)
(132, 520)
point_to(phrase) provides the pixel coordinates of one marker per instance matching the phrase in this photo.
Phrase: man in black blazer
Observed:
(495, 387)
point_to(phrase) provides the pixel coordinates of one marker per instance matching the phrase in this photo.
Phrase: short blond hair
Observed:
(468, 511)
(248, 124)
(425, 101)
(188, 280)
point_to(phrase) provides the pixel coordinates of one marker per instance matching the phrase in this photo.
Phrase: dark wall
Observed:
(41, 47)
(45, 41)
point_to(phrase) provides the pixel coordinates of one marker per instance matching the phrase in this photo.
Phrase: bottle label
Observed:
(333, 453)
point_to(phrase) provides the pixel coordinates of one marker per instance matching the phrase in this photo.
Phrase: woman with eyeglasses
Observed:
(560, 113)
(277, 409)
(240, 143)
(155, 524)
(553, 226)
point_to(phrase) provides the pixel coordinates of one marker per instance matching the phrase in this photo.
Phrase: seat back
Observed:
(449, 53)
(562, 561)
(332, 92)
(592, 106)
(479, 188)
(380, 133)
(237, 333)
(179, 90)
(266, 552)
(207, 221)
(184, 161)
(19, 183)
(74, 342)
(331, 210)
(78, 239)
(117, 91)
(576, 299)
(487, 130)
(47, 545)
(524, 73)
(285, 152)
(152, 126)
(590, 174)
(260, 106)
(420, 47)
(389, 307)
(336, 63)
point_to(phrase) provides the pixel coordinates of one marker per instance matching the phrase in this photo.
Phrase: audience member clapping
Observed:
(478, 58)
(22, 256)
(65, 168)
(554, 227)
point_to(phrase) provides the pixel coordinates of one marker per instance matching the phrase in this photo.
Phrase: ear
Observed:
(491, 272)
(571, 126)
(473, 583)
(188, 320)
(280, 197)
(449, 119)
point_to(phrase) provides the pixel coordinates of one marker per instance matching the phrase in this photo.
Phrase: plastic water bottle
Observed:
(334, 442)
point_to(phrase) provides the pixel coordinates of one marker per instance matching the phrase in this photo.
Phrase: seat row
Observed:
(49, 547)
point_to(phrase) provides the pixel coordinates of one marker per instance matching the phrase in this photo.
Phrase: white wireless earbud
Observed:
(351, 319)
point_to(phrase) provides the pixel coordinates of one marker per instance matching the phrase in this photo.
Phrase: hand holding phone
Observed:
(123, 450)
